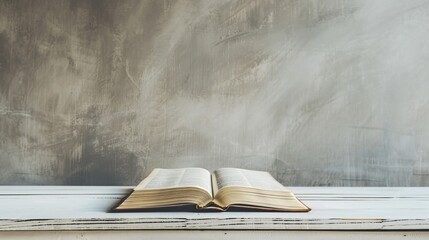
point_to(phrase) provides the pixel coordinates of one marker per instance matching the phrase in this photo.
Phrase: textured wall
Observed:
(316, 92)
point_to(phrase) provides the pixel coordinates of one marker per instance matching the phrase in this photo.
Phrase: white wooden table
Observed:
(65, 212)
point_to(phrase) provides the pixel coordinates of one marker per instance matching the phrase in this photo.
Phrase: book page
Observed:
(176, 178)
(246, 178)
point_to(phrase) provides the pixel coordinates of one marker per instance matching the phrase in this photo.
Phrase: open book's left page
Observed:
(171, 187)
(177, 178)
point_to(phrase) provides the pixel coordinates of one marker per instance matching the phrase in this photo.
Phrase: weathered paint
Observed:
(319, 93)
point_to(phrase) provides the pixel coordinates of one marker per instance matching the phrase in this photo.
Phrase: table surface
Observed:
(333, 208)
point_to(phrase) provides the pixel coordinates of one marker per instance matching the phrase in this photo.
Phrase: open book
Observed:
(225, 188)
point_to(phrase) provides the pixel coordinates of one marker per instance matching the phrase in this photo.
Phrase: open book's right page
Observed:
(252, 189)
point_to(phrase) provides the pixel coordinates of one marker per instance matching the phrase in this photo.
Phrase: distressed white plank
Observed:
(197, 235)
(64, 190)
(86, 208)
(362, 191)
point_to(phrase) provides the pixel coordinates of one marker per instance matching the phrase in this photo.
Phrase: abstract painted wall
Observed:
(319, 93)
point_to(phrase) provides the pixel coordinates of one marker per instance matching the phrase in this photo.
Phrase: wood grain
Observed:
(86, 208)
(197, 235)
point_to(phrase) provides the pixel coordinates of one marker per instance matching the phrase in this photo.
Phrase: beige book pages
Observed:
(177, 178)
(228, 177)
(252, 189)
(171, 187)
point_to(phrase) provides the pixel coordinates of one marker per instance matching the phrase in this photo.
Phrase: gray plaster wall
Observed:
(319, 93)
